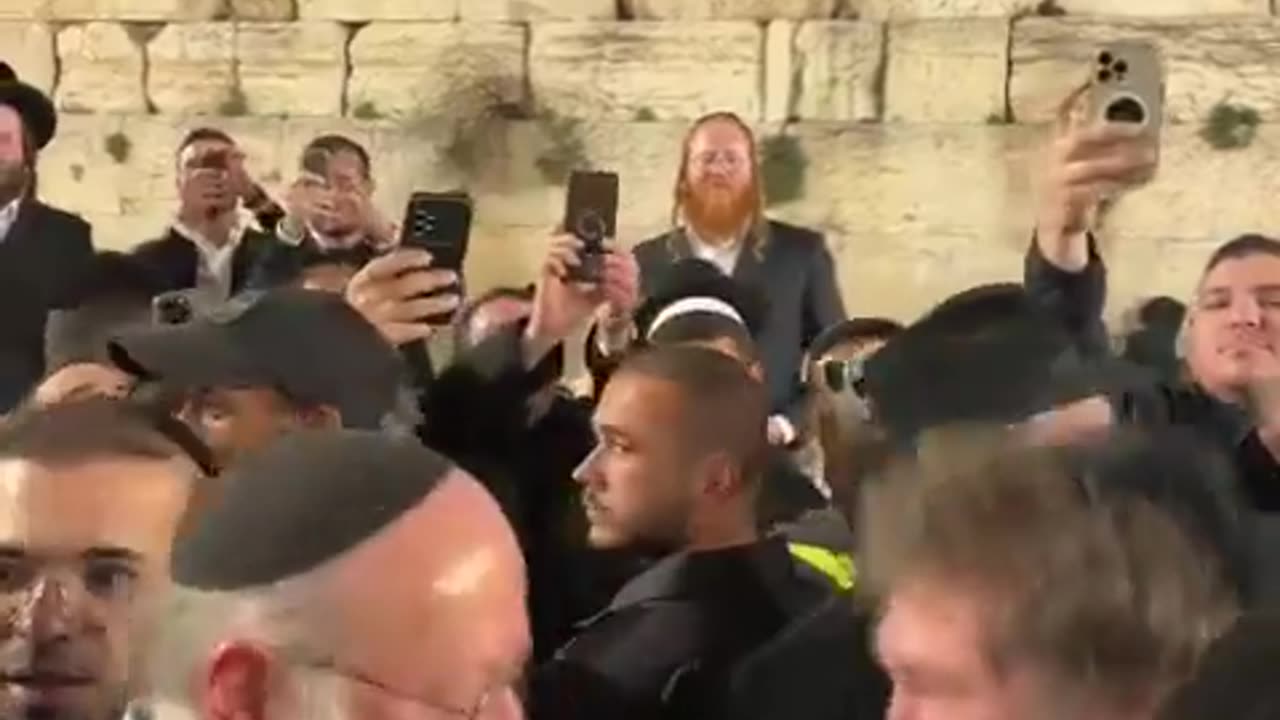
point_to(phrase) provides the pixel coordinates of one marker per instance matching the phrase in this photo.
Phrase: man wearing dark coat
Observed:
(718, 217)
(43, 250)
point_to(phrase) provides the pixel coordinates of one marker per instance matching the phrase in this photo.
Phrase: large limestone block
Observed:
(23, 10)
(1201, 194)
(904, 9)
(947, 70)
(538, 10)
(420, 70)
(160, 10)
(378, 10)
(191, 67)
(1206, 61)
(919, 180)
(292, 68)
(823, 70)
(101, 70)
(731, 9)
(263, 9)
(28, 48)
(657, 71)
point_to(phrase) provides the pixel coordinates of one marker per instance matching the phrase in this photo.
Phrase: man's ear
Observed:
(320, 417)
(721, 476)
(236, 683)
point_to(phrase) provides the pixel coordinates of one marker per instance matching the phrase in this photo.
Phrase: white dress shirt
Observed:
(8, 216)
(724, 257)
(213, 262)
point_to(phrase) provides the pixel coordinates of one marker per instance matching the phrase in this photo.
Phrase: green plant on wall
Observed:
(783, 165)
(366, 110)
(236, 103)
(1230, 127)
(118, 146)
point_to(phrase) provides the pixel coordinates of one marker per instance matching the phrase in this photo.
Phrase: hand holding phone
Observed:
(439, 223)
(591, 215)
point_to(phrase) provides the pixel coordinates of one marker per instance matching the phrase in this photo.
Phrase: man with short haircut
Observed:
(329, 209)
(210, 247)
(94, 493)
(43, 251)
(268, 363)
(719, 217)
(345, 574)
(680, 454)
(1010, 588)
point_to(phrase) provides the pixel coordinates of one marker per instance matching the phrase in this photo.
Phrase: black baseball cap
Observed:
(310, 345)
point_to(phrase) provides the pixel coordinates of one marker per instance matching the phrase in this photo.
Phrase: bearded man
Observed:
(43, 252)
(718, 216)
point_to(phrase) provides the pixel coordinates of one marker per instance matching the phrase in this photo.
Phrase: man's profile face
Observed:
(930, 642)
(236, 421)
(637, 485)
(83, 555)
(13, 164)
(1234, 327)
(720, 194)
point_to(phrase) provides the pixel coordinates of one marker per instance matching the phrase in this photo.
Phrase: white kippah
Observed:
(700, 303)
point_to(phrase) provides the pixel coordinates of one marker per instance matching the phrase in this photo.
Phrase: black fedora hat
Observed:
(34, 107)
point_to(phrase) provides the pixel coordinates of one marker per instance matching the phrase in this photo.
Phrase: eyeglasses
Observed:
(412, 704)
(729, 159)
(841, 375)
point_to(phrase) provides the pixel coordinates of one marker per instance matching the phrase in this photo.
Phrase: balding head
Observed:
(344, 612)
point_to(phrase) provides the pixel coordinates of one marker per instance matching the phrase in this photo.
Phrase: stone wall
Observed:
(906, 129)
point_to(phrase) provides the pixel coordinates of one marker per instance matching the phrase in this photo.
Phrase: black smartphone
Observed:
(591, 215)
(439, 223)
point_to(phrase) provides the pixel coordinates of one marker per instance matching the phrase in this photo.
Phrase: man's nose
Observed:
(1246, 311)
(586, 470)
(50, 608)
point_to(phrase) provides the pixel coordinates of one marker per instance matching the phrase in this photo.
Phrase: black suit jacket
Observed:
(42, 259)
(794, 269)
(173, 260)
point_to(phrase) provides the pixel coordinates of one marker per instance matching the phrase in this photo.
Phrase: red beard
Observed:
(715, 211)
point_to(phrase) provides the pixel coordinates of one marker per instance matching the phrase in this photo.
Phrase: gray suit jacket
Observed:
(794, 270)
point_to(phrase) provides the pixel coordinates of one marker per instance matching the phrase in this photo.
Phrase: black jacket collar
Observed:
(712, 574)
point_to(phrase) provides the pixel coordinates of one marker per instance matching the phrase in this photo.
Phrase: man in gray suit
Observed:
(719, 216)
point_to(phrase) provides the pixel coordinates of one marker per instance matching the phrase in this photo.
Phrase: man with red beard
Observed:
(43, 251)
(718, 216)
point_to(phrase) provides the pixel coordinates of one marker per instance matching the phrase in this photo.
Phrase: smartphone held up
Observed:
(439, 223)
(1126, 87)
(591, 215)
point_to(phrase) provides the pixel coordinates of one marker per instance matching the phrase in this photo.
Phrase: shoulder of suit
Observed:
(796, 235)
(652, 245)
(50, 214)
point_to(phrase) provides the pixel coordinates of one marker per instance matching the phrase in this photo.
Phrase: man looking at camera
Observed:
(209, 247)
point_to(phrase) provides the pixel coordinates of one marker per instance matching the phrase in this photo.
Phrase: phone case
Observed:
(439, 223)
(1127, 85)
(591, 215)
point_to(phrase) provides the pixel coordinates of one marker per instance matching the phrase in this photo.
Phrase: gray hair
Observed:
(287, 617)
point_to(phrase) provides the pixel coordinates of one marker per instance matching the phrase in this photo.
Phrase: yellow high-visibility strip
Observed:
(835, 565)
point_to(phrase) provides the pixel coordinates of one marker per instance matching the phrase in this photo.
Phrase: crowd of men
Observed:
(267, 501)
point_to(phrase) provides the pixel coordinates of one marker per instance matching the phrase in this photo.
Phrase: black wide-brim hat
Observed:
(34, 107)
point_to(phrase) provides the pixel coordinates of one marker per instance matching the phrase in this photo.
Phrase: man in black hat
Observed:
(43, 251)
(267, 363)
(346, 574)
